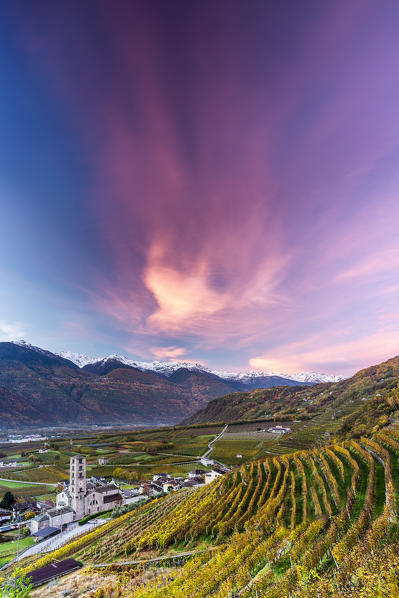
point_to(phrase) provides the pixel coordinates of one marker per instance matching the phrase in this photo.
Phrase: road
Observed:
(212, 442)
(61, 539)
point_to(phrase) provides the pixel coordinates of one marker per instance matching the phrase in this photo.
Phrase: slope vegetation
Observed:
(303, 402)
(306, 524)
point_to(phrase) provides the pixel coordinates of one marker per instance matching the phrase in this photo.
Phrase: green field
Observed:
(18, 489)
(8, 550)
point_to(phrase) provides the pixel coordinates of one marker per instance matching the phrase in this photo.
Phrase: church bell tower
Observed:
(77, 487)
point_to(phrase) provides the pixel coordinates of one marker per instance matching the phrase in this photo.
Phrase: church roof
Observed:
(107, 488)
(112, 497)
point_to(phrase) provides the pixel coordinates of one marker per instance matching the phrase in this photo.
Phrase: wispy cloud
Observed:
(11, 331)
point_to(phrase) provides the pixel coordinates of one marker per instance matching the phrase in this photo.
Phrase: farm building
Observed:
(279, 430)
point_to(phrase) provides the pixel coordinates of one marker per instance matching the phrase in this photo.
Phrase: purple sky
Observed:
(208, 181)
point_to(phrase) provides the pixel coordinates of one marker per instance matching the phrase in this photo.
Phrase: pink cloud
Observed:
(236, 198)
(325, 353)
(167, 352)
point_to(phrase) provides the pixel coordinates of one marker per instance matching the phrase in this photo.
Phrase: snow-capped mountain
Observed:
(251, 375)
(80, 359)
(167, 368)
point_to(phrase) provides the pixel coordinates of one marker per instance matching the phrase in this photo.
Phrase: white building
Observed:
(212, 475)
(195, 473)
(170, 486)
(279, 430)
(52, 518)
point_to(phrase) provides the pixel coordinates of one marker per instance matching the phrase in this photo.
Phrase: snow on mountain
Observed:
(251, 375)
(80, 359)
(168, 367)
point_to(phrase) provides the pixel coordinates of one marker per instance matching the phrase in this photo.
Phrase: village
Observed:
(85, 498)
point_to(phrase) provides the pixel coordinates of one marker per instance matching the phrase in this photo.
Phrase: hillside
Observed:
(200, 383)
(41, 389)
(371, 387)
(315, 523)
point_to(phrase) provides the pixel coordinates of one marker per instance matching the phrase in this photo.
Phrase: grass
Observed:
(11, 485)
(19, 489)
(48, 474)
(9, 549)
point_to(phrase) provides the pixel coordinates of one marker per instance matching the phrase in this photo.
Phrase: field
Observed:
(140, 454)
(19, 489)
(268, 528)
(173, 450)
(9, 549)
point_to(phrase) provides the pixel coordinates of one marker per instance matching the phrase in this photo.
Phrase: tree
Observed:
(34, 458)
(118, 473)
(16, 586)
(7, 501)
(29, 515)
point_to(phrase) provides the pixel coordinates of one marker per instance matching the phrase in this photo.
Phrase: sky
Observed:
(204, 181)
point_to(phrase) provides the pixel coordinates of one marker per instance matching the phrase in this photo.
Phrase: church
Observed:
(78, 499)
(86, 498)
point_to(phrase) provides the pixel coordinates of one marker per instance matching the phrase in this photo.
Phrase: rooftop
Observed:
(54, 570)
(46, 532)
(62, 511)
(107, 488)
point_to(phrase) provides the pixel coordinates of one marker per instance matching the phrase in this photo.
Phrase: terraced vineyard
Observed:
(303, 524)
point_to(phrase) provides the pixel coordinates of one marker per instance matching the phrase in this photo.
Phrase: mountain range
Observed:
(248, 378)
(41, 388)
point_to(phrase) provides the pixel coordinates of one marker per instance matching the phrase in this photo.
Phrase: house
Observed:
(170, 486)
(39, 522)
(45, 504)
(210, 476)
(5, 515)
(43, 450)
(195, 473)
(60, 517)
(279, 430)
(158, 476)
(20, 508)
(103, 461)
(206, 462)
